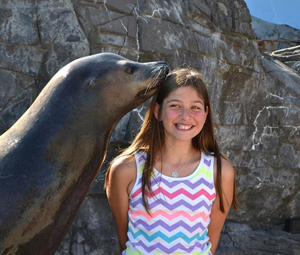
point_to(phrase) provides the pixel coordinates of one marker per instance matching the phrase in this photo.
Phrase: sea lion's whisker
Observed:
(153, 79)
(158, 77)
(155, 69)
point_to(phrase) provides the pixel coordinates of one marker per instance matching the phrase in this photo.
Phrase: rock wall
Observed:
(255, 98)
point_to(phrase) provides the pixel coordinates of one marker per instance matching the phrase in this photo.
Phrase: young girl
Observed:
(171, 190)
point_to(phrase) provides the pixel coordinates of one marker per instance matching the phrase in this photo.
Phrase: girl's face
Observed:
(183, 114)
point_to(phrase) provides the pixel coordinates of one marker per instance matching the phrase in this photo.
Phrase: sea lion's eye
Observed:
(130, 70)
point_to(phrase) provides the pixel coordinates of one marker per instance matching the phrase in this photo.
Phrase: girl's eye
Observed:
(174, 105)
(196, 108)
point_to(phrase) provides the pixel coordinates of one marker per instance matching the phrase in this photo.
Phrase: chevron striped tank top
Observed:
(180, 212)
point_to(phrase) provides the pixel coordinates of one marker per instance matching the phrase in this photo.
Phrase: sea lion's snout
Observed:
(159, 74)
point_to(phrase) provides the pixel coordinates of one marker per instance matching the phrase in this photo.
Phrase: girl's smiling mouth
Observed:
(184, 127)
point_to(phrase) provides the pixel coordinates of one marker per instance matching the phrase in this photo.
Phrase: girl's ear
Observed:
(156, 110)
(206, 112)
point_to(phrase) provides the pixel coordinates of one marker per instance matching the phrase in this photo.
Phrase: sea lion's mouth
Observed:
(160, 74)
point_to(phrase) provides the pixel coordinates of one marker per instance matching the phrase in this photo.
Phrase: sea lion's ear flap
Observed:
(156, 110)
(91, 82)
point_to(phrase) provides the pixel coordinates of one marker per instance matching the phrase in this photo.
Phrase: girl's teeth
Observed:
(183, 126)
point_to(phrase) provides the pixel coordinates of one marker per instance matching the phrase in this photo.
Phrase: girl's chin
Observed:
(179, 138)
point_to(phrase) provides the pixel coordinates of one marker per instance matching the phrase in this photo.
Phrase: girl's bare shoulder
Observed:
(124, 160)
(228, 172)
(227, 168)
(123, 169)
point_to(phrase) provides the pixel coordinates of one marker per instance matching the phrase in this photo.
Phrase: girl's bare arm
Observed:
(217, 217)
(121, 179)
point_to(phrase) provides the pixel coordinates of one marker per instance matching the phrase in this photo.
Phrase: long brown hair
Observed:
(151, 135)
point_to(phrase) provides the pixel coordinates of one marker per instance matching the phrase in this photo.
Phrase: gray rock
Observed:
(241, 239)
(289, 56)
(272, 37)
(92, 232)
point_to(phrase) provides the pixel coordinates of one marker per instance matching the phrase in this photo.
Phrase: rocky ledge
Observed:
(241, 239)
(289, 56)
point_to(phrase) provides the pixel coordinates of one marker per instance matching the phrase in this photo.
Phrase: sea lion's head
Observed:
(110, 83)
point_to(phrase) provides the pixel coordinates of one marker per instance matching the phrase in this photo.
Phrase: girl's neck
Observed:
(180, 158)
(177, 152)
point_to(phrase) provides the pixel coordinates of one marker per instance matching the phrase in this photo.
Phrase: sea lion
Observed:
(51, 155)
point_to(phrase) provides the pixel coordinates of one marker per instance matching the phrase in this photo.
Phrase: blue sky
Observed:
(276, 11)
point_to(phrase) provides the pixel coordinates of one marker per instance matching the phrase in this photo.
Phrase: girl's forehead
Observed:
(185, 92)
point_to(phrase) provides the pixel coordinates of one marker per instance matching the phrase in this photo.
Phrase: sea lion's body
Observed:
(51, 155)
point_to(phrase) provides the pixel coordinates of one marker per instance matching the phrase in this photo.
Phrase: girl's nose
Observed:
(185, 113)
